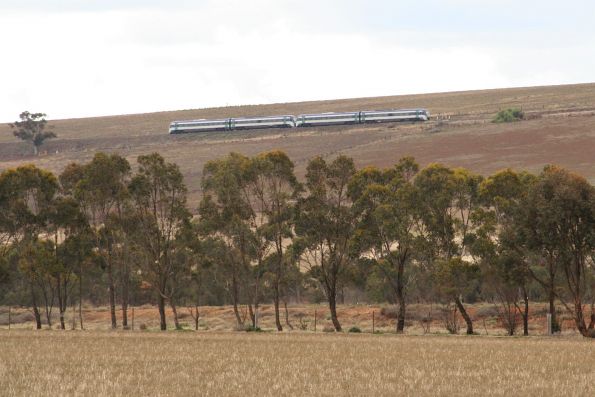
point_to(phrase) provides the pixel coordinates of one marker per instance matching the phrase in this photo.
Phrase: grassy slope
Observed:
(561, 130)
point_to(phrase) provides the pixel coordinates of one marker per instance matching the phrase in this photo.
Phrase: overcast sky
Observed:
(72, 58)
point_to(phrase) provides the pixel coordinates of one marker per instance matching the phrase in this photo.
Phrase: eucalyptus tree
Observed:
(27, 194)
(73, 247)
(227, 215)
(273, 185)
(325, 225)
(387, 228)
(560, 226)
(505, 261)
(100, 187)
(32, 127)
(446, 200)
(159, 200)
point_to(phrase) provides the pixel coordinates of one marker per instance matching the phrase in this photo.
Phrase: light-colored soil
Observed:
(234, 364)
(560, 129)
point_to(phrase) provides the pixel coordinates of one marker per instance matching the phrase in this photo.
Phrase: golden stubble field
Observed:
(560, 130)
(235, 364)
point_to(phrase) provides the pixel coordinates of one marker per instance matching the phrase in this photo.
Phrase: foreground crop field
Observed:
(233, 364)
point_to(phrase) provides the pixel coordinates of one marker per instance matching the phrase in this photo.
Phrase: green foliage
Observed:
(32, 128)
(456, 277)
(509, 115)
(400, 234)
(354, 330)
(251, 328)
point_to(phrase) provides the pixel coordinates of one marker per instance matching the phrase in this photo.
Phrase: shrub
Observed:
(250, 328)
(355, 330)
(509, 115)
(143, 327)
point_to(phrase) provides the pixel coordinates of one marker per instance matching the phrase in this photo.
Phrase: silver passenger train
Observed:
(303, 120)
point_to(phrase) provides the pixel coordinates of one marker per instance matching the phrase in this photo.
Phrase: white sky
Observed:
(72, 58)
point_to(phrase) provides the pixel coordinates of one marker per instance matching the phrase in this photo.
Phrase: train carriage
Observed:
(178, 127)
(381, 116)
(305, 120)
(285, 121)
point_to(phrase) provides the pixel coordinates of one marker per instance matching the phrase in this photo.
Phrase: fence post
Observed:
(314, 320)
(373, 322)
(132, 326)
(9, 317)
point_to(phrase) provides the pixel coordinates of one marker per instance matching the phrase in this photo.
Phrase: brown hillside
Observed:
(560, 129)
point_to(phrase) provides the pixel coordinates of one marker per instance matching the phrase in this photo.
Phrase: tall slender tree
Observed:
(28, 194)
(159, 199)
(275, 188)
(446, 201)
(226, 213)
(102, 194)
(385, 203)
(325, 224)
(560, 225)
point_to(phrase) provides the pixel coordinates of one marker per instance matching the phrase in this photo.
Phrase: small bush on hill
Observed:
(509, 115)
(355, 330)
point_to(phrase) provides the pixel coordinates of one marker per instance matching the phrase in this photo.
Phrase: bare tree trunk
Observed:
(81, 296)
(162, 318)
(552, 308)
(235, 297)
(112, 294)
(252, 315)
(36, 313)
(579, 317)
(332, 303)
(526, 313)
(287, 315)
(175, 312)
(61, 301)
(465, 316)
(125, 297)
(400, 300)
(276, 302)
(196, 317)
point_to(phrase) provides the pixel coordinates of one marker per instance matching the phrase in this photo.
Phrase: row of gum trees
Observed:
(260, 235)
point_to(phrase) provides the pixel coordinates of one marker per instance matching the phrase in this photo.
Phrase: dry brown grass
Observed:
(560, 129)
(233, 364)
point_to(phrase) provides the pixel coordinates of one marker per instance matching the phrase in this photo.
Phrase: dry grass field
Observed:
(560, 129)
(236, 364)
